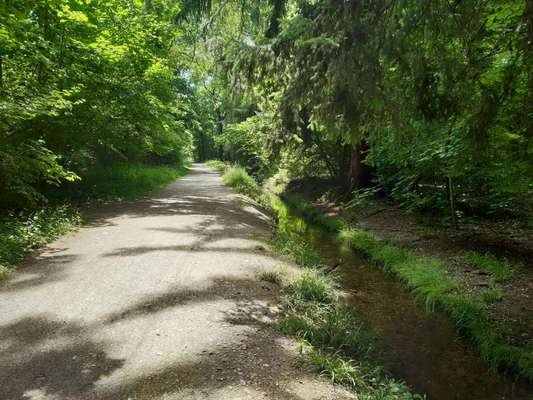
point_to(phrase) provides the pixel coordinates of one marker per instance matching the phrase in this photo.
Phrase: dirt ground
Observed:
(426, 235)
(153, 299)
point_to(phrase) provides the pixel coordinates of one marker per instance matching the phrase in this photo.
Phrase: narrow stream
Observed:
(421, 348)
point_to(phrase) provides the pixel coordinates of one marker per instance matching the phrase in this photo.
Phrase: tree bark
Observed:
(528, 17)
(360, 173)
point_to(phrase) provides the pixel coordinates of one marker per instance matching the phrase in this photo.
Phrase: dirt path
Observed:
(153, 299)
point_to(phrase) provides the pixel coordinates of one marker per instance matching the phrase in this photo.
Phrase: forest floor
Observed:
(156, 298)
(426, 235)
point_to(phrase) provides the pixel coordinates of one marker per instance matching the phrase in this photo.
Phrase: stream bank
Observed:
(422, 348)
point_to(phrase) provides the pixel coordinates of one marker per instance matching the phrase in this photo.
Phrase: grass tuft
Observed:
(312, 286)
(500, 270)
(302, 253)
(237, 178)
(217, 164)
(271, 276)
(492, 295)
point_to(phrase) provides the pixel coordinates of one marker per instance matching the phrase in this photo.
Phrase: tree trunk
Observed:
(359, 172)
(528, 17)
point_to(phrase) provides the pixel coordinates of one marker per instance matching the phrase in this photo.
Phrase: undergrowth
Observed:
(428, 280)
(120, 182)
(24, 231)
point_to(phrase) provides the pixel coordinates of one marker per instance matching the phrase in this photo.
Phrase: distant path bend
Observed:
(153, 299)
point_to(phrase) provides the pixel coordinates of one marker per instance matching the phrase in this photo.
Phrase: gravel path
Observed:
(153, 299)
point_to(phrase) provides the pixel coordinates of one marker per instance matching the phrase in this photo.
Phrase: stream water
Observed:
(419, 347)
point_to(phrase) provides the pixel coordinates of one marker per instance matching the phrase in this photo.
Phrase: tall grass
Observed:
(217, 164)
(120, 182)
(237, 178)
(500, 270)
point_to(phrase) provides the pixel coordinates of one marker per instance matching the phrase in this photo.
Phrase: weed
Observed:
(313, 286)
(270, 276)
(492, 295)
(22, 232)
(501, 270)
(302, 253)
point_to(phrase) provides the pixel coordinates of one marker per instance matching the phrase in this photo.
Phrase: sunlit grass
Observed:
(217, 164)
(237, 178)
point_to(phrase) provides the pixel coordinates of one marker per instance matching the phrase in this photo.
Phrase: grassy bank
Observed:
(428, 280)
(23, 231)
(330, 335)
(119, 182)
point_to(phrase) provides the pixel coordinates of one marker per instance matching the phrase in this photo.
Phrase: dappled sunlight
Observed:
(155, 298)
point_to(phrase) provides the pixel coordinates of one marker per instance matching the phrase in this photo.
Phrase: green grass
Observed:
(500, 270)
(120, 182)
(22, 232)
(217, 164)
(492, 295)
(332, 336)
(338, 345)
(302, 253)
(270, 276)
(237, 178)
(429, 281)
